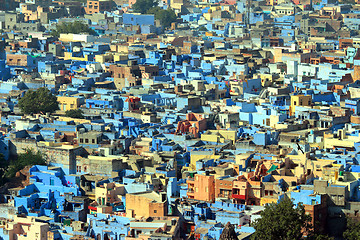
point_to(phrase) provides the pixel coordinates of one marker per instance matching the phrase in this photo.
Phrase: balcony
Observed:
(224, 195)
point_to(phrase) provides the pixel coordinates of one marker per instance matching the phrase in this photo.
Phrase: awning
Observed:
(272, 168)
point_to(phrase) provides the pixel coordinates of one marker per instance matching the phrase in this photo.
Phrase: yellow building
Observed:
(272, 2)
(68, 103)
(76, 120)
(199, 155)
(341, 140)
(209, 57)
(146, 204)
(268, 200)
(69, 56)
(111, 57)
(109, 193)
(219, 136)
(207, 16)
(299, 100)
(103, 58)
(266, 79)
(23, 228)
(120, 57)
(119, 48)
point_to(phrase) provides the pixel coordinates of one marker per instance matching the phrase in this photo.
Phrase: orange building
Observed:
(299, 100)
(134, 103)
(19, 60)
(318, 213)
(97, 6)
(193, 124)
(223, 187)
(322, 59)
(345, 43)
(240, 190)
(201, 187)
(146, 204)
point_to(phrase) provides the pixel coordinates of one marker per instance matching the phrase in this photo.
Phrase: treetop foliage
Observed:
(29, 158)
(281, 221)
(39, 101)
(285, 221)
(166, 17)
(74, 113)
(142, 6)
(352, 231)
(75, 27)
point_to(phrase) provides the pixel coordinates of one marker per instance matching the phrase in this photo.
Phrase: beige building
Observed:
(68, 103)
(109, 193)
(299, 100)
(146, 204)
(25, 228)
(219, 136)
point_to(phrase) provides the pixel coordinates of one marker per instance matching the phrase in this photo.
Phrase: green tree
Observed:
(75, 27)
(4, 164)
(74, 113)
(282, 221)
(314, 236)
(29, 158)
(39, 101)
(202, 29)
(351, 2)
(352, 231)
(142, 6)
(166, 17)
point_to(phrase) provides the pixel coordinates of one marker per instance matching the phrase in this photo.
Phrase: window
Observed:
(51, 181)
(155, 211)
(93, 140)
(81, 140)
(294, 103)
(86, 140)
